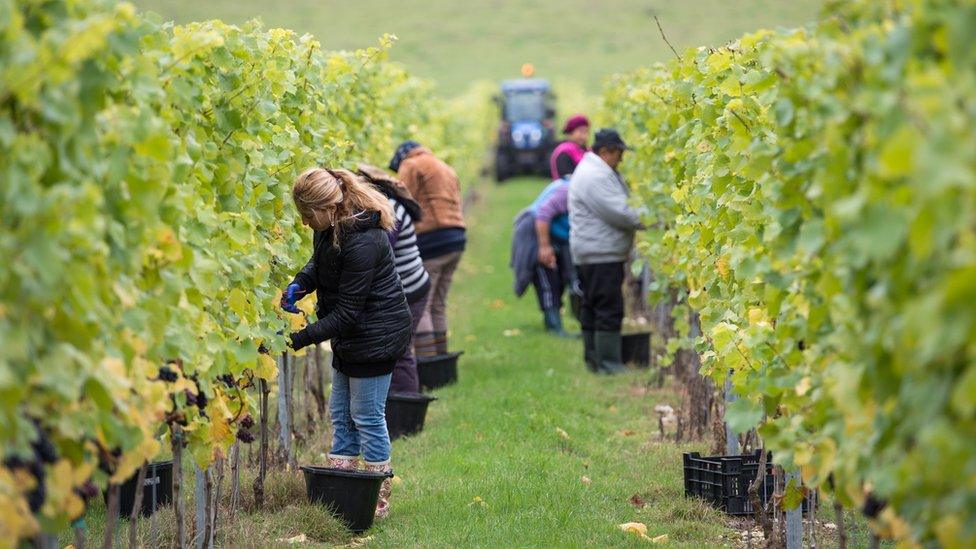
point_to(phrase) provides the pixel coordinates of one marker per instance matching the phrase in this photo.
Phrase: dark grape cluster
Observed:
(191, 398)
(109, 459)
(247, 421)
(87, 491)
(873, 506)
(245, 436)
(228, 380)
(167, 374)
(201, 399)
(44, 453)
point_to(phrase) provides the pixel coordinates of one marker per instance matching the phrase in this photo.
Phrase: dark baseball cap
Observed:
(609, 138)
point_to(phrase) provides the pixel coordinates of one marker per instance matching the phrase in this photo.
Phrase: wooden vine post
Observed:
(178, 509)
(137, 506)
(263, 452)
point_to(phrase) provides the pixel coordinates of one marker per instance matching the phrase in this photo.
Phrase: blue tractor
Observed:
(525, 133)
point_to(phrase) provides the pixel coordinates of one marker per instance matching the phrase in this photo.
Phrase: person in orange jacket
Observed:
(441, 235)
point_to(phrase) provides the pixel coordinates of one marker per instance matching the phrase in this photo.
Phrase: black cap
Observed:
(608, 138)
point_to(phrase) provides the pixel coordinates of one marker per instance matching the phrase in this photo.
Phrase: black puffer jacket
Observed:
(361, 306)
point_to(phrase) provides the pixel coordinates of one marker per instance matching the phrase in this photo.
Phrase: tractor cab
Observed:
(525, 131)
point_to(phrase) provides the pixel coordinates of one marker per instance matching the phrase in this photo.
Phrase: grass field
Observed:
(491, 468)
(454, 43)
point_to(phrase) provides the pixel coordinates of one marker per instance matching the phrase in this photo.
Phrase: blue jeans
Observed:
(358, 406)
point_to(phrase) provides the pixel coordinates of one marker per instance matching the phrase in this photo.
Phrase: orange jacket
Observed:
(434, 185)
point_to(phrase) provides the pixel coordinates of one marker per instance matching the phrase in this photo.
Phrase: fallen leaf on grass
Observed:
(497, 304)
(626, 432)
(636, 528)
(300, 538)
(471, 337)
(612, 409)
(585, 479)
(512, 333)
(397, 480)
(639, 529)
(637, 501)
(478, 501)
(562, 434)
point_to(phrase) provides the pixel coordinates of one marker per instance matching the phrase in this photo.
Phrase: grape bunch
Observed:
(43, 453)
(244, 433)
(167, 374)
(245, 436)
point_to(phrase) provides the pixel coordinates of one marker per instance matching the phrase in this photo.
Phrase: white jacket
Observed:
(601, 223)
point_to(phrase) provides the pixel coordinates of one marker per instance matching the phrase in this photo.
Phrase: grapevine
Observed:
(147, 229)
(812, 193)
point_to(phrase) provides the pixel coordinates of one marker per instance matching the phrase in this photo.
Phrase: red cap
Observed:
(575, 121)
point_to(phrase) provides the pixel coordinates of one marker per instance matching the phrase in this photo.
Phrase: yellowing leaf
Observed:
(803, 386)
(562, 434)
(307, 305)
(267, 368)
(756, 316)
(297, 322)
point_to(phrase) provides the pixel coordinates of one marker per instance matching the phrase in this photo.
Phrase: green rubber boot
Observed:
(608, 352)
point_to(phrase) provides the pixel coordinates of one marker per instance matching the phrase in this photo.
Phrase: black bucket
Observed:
(636, 349)
(351, 496)
(405, 414)
(438, 371)
(157, 490)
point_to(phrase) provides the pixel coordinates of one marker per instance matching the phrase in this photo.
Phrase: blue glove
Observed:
(292, 294)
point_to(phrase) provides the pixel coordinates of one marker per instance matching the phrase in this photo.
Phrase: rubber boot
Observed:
(348, 463)
(424, 345)
(608, 352)
(440, 343)
(589, 351)
(554, 323)
(383, 503)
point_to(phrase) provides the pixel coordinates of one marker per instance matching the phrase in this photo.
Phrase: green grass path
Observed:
(491, 468)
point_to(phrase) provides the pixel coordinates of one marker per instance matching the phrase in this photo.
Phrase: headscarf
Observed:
(401, 153)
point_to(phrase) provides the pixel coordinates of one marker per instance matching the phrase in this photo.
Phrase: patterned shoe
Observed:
(383, 504)
(440, 343)
(424, 345)
(348, 463)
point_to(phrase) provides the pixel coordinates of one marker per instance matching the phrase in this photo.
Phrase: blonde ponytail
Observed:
(318, 188)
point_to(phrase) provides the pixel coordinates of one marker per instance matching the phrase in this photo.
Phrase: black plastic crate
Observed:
(636, 349)
(157, 490)
(724, 481)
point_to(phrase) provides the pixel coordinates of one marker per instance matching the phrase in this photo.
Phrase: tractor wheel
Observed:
(503, 168)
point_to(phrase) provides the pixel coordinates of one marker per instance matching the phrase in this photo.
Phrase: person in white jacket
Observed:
(602, 227)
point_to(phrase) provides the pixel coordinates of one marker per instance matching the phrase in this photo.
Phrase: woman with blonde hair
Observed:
(361, 309)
